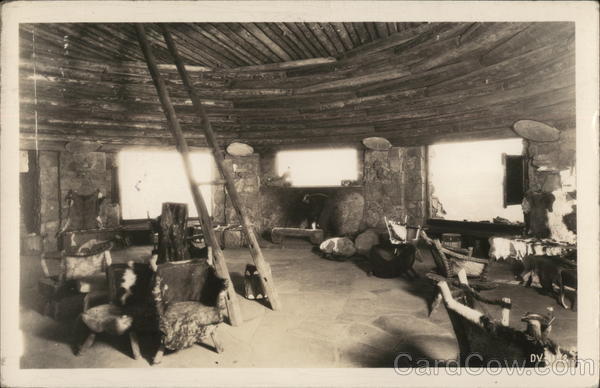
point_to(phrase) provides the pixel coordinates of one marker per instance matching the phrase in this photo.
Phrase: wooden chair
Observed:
(450, 261)
(129, 292)
(481, 338)
(189, 300)
(78, 275)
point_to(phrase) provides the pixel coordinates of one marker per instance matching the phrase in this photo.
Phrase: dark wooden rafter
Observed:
(362, 32)
(278, 38)
(224, 41)
(295, 40)
(226, 30)
(382, 30)
(245, 31)
(333, 37)
(233, 307)
(276, 49)
(200, 44)
(321, 37)
(371, 30)
(352, 34)
(300, 38)
(262, 266)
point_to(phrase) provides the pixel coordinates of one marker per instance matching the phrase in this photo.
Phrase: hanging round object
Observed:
(82, 146)
(377, 143)
(239, 149)
(536, 131)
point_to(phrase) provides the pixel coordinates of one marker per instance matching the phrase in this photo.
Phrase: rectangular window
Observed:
(314, 168)
(149, 178)
(468, 181)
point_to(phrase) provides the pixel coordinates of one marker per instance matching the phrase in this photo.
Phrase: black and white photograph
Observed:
(340, 188)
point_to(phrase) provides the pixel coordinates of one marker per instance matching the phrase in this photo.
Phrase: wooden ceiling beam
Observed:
(392, 28)
(362, 32)
(210, 32)
(250, 39)
(534, 36)
(371, 30)
(334, 37)
(289, 64)
(226, 29)
(354, 82)
(203, 41)
(352, 34)
(382, 30)
(321, 37)
(298, 30)
(278, 37)
(296, 39)
(275, 48)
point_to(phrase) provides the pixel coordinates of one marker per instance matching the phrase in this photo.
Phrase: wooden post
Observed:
(233, 308)
(262, 266)
(505, 313)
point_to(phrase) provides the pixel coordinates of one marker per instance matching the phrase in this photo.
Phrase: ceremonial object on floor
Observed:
(252, 286)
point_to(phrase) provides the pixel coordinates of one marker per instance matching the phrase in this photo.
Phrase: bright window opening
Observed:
(467, 180)
(318, 167)
(149, 178)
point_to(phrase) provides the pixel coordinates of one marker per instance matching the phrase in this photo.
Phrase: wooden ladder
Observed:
(263, 267)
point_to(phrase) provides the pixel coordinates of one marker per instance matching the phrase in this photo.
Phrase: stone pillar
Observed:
(394, 185)
(49, 199)
(552, 171)
(245, 172)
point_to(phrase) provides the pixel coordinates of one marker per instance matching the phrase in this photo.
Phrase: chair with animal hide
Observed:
(190, 302)
(79, 268)
(81, 276)
(481, 338)
(129, 305)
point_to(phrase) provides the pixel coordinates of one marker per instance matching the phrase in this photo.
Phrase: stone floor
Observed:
(333, 315)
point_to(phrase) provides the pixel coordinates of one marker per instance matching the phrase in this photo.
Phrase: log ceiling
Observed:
(283, 84)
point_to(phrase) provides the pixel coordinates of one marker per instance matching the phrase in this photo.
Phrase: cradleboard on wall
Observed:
(536, 131)
(377, 143)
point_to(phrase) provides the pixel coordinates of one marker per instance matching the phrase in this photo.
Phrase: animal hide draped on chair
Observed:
(536, 206)
(188, 297)
(83, 211)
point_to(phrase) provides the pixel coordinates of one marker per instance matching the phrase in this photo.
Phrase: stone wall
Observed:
(552, 171)
(393, 185)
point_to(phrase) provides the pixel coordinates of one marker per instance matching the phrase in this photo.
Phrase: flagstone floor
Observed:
(333, 315)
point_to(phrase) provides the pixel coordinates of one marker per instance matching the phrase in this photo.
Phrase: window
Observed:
(468, 180)
(325, 167)
(149, 178)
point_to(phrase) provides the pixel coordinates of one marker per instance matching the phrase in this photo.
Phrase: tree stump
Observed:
(172, 245)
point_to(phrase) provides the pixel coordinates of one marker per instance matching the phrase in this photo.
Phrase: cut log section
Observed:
(536, 131)
(315, 236)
